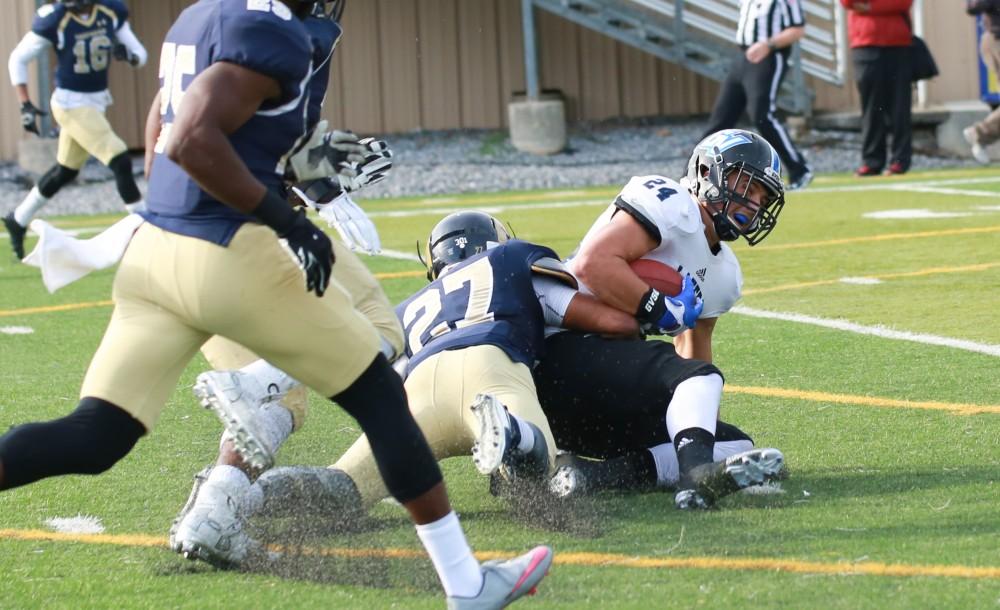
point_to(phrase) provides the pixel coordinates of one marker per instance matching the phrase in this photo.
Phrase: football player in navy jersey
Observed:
(607, 399)
(85, 34)
(222, 252)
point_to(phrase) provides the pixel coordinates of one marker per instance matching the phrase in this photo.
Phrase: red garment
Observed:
(885, 24)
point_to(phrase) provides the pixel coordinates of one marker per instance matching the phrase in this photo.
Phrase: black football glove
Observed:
(312, 250)
(121, 53)
(29, 117)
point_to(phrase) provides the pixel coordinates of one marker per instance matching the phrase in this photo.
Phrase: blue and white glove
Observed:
(662, 315)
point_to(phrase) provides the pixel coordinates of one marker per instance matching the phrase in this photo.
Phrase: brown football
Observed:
(662, 277)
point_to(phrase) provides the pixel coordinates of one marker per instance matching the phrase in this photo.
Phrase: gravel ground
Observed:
(443, 162)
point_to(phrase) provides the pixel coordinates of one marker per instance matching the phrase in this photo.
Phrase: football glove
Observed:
(29, 117)
(121, 53)
(356, 230)
(374, 168)
(311, 250)
(663, 315)
(326, 153)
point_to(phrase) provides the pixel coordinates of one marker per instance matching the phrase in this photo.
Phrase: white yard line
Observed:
(875, 331)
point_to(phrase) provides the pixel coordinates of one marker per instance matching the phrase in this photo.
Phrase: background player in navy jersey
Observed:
(608, 398)
(221, 252)
(85, 34)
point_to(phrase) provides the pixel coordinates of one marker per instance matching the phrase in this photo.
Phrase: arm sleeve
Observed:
(796, 16)
(265, 44)
(30, 47)
(554, 297)
(127, 37)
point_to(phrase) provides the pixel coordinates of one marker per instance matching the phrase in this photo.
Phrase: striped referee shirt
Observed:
(763, 19)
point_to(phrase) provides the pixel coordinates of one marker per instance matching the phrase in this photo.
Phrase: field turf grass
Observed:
(882, 391)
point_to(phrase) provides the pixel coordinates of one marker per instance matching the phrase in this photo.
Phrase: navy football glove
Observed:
(121, 53)
(662, 315)
(29, 117)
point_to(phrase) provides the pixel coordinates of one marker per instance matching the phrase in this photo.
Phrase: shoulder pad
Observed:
(556, 269)
(45, 10)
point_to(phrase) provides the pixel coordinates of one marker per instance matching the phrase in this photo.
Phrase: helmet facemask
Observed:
(722, 179)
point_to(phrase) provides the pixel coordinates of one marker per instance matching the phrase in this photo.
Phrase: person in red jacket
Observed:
(880, 33)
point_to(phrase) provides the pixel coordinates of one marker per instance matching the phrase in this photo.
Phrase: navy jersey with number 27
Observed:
(488, 299)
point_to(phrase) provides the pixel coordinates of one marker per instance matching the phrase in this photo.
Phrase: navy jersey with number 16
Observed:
(488, 299)
(83, 42)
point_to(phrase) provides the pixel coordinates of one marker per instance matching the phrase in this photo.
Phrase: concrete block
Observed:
(960, 116)
(37, 155)
(538, 126)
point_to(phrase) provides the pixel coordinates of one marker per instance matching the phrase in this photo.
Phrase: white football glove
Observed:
(356, 230)
(327, 153)
(374, 168)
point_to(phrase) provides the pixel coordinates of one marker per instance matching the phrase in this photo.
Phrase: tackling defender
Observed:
(606, 398)
(84, 34)
(220, 253)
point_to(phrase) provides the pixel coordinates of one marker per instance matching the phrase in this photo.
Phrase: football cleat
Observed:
(495, 439)
(16, 233)
(236, 399)
(504, 582)
(739, 471)
(212, 530)
(199, 480)
(569, 479)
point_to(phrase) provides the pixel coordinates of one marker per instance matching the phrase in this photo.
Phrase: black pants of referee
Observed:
(883, 78)
(754, 88)
(607, 397)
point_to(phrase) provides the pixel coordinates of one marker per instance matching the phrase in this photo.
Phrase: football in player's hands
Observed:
(657, 275)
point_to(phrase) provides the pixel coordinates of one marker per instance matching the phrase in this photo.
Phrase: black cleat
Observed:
(16, 233)
(718, 479)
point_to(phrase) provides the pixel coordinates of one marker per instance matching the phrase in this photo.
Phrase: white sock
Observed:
(665, 457)
(29, 207)
(136, 206)
(695, 404)
(458, 570)
(229, 477)
(527, 433)
(271, 377)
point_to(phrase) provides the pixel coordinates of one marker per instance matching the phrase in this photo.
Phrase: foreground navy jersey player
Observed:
(266, 40)
(488, 299)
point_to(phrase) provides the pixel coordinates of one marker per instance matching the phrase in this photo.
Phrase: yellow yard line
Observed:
(887, 276)
(585, 559)
(865, 401)
(874, 238)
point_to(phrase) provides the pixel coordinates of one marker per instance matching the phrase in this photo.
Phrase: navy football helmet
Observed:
(742, 152)
(459, 236)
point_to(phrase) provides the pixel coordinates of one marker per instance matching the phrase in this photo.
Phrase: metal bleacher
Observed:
(698, 35)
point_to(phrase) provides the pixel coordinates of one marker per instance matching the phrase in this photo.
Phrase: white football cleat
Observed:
(495, 438)
(978, 151)
(212, 529)
(199, 480)
(237, 399)
(504, 582)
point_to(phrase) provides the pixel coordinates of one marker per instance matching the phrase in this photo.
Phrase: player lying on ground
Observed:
(220, 252)
(471, 337)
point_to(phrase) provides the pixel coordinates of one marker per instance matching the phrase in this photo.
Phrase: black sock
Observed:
(694, 448)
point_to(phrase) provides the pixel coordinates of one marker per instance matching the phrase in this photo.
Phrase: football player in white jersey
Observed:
(608, 399)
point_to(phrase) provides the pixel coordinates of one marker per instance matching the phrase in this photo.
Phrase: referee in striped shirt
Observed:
(766, 32)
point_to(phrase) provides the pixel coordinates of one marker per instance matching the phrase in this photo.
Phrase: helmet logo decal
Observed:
(726, 139)
(461, 242)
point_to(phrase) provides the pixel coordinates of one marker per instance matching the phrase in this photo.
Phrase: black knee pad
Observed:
(56, 178)
(90, 440)
(121, 165)
(377, 401)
